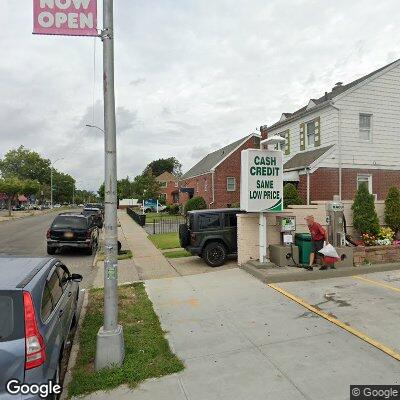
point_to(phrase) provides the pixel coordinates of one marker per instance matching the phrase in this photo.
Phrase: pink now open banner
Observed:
(65, 17)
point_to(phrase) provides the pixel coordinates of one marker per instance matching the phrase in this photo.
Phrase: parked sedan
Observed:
(38, 303)
(70, 230)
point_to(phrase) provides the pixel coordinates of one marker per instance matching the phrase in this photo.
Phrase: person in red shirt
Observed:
(319, 235)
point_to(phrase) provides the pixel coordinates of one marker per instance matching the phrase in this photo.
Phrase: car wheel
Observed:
(51, 250)
(215, 254)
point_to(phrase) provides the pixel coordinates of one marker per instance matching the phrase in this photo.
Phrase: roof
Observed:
(211, 160)
(306, 158)
(166, 177)
(14, 270)
(327, 97)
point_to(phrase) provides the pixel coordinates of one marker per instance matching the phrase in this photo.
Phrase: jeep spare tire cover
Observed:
(184, 236)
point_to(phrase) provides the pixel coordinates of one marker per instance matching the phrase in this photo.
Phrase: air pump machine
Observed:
(286, 253)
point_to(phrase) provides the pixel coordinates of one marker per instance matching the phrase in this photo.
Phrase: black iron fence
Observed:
(138, 218)
(164, 225)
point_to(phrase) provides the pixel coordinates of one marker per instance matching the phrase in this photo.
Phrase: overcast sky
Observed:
(191, 76)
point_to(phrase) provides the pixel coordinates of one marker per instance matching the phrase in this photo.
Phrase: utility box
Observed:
(282, 255)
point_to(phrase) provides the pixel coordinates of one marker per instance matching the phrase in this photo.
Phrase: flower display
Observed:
(368, 239)
(386, 234)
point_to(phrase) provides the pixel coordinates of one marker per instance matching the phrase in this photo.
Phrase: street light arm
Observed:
(96, 127)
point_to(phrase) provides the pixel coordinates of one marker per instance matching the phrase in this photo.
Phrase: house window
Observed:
(365, 126)
(310, 131)
(257, 141)
(163, 184)
(365, 179)
(163, 197)
(230, 184)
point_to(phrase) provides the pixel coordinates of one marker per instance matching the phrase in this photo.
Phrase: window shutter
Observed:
(302, 137)
(287, 145)
(317, 137)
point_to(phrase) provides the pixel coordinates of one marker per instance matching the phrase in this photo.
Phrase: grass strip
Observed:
(166, 241)
(147, 352)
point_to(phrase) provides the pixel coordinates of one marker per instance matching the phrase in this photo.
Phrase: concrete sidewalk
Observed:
(241, 340)
(147, 259)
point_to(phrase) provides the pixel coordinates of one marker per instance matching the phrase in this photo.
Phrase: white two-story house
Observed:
(348, 136)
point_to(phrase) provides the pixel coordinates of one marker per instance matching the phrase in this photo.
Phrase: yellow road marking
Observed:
(373, 282)
(355, 332)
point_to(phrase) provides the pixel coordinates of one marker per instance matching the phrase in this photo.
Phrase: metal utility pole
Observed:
(51, 186)
(110, 350)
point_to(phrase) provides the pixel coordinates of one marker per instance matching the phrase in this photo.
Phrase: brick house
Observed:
(348, 136)
(169, 187)
(217, 176)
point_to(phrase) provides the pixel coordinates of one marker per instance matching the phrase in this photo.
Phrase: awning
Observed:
(189, 191)
(291, 176)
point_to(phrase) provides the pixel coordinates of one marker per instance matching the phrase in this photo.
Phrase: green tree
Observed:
(365, 219)
(25, 164)
(146, 186)
(171, 164)
(101, 191)
(195, 203)
(124, 188)
(63, 186)
(392, 209)
(291, 195)
(13, 186)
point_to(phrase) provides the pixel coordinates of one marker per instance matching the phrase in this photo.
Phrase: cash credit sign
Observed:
(261, 183)
(65, 17)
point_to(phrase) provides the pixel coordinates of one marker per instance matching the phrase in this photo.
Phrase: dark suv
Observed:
(72, 230)
(210, 234)
(38, 307)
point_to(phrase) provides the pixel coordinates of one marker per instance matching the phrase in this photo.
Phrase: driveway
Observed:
(241, 339)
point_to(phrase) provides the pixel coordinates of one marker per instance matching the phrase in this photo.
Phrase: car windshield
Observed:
(90, 212)
(65, 221)
(11, 322)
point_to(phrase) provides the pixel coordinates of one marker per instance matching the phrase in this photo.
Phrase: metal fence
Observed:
(164, 225)
(138, 218)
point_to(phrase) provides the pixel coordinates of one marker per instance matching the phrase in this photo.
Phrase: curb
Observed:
(75, 348)
(262, 273)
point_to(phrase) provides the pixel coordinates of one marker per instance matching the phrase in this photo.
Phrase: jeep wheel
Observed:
(184, 236)
(214, 254)
(51, 250)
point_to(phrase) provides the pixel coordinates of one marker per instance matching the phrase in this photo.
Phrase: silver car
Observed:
(38, 306)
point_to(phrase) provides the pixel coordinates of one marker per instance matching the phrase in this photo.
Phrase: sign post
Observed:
(261, 188)
(79, 18)
(110, 349)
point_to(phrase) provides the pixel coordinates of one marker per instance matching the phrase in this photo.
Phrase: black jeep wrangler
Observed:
(210, 234)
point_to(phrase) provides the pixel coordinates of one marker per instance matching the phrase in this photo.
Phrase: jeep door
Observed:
(230, 231)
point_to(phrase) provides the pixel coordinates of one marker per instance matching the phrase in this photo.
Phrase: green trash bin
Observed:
(303, 242)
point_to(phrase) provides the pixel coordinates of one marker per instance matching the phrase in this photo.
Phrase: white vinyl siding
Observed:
(230, 184)
(380, 98)
(328, 132)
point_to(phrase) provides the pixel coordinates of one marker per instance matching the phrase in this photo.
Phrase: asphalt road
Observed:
(27, 237)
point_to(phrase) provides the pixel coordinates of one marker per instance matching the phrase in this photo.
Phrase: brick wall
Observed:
(324, 183)
(168, 191)
(202, 186)
(376, 255)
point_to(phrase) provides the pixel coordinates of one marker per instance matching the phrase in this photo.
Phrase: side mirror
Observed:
(76, 277)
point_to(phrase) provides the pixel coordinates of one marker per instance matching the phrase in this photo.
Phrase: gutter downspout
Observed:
(339, 150)
(308, 185)
(212, 187)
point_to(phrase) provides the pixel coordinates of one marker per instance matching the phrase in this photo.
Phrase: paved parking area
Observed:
(241, 339)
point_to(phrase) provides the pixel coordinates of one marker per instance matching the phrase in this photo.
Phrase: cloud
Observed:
(190, 76)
